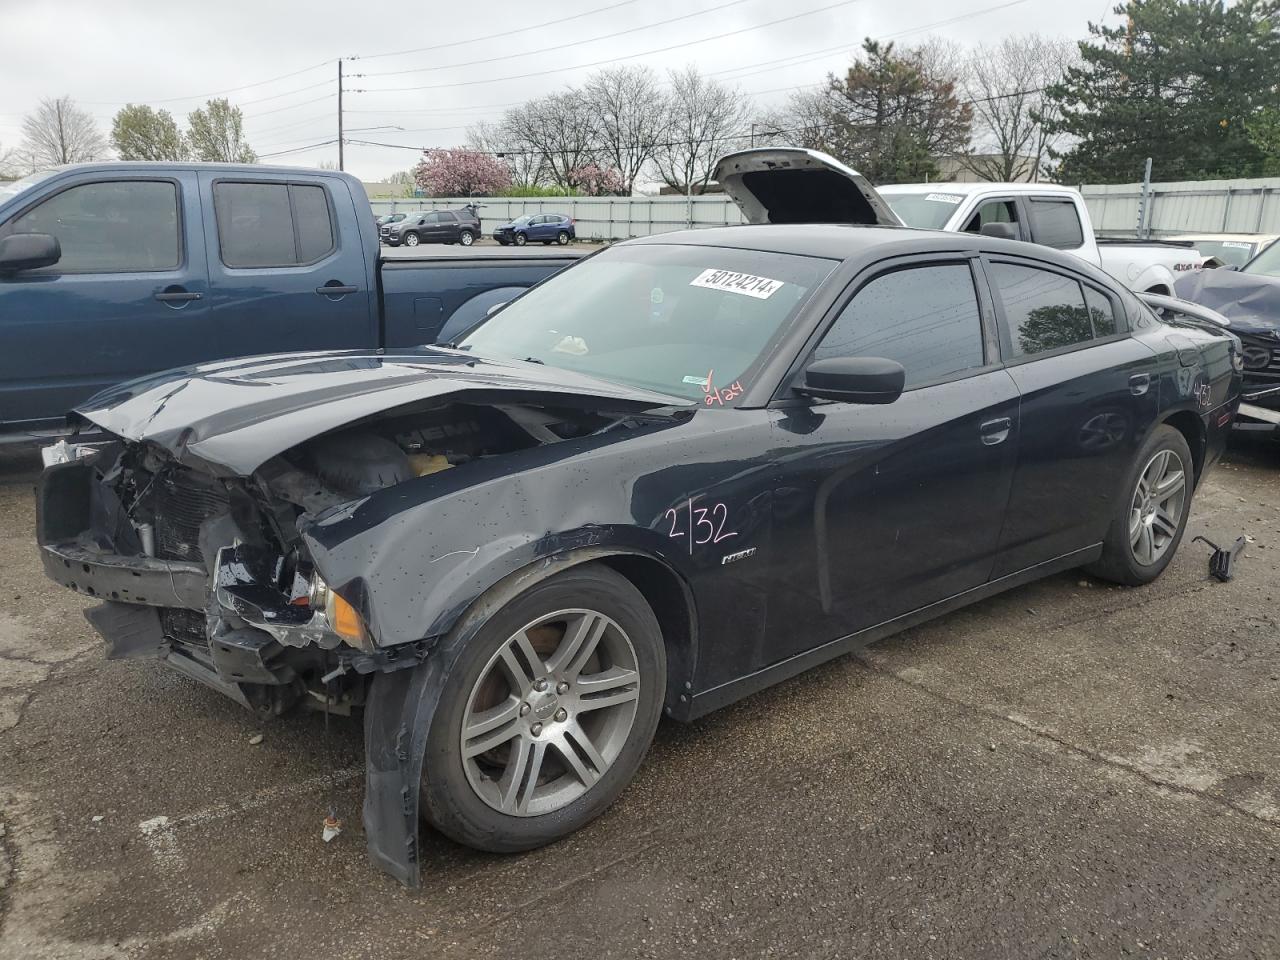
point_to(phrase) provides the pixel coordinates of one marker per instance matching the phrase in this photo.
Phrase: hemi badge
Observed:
(740, 555)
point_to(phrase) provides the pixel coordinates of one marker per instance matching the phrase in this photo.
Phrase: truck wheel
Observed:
(1150, 513)
(521, 239)
(466, 238)
(411, 239)
(546, 714)
(562, 237)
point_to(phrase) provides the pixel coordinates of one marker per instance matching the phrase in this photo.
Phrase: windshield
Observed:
(1235, 253)
(930, 211)
(524, 219)
(8, 190)
(1267, 263)
(688, 321)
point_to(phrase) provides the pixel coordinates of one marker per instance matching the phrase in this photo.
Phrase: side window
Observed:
(1101, 311)
(124, 226)
(1044, 311)
(993, 211)
(926, 318)
(272, 224)
(1055, 223)
(448, 216)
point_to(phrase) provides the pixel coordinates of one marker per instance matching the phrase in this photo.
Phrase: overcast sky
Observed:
(174, 54)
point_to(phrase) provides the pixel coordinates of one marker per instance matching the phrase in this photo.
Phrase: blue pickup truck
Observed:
(110, 271)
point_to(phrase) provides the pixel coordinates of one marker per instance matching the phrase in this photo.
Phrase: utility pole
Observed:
(340, 167)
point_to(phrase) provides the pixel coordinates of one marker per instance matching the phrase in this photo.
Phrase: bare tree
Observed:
(630, 115)
(559, 130)
(504, 141)
(708, 119)
(60, 132)
(1005, 85)
(801, 122)
(8, 163)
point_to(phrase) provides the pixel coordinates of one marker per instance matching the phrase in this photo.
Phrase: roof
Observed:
(979, 186)
(159, 166)
(839, 241)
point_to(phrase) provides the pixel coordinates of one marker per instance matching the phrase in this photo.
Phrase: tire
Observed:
(521, 239)
(472, 792)
(1139, 543)
(503, 243)
(466, 238)
(546, 243)
(412, 239)
(563, 238)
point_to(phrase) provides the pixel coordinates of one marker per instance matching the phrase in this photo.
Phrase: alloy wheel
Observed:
(1156, 509)
(465, 238)
(411, 240)
(550, 712)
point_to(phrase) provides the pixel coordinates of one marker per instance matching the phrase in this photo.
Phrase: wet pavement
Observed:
(1069, 770)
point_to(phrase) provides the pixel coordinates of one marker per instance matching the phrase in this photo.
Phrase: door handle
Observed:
(335, 289)
(995, 431)
(177, 296)
(1139, 383)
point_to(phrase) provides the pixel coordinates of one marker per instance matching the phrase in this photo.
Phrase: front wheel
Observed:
(521, 239)
(546, 714)
(1151, 514)
(411, 240)
(562, 237)
(466, 238)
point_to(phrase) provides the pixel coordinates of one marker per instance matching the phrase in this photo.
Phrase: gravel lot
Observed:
(1067, 771)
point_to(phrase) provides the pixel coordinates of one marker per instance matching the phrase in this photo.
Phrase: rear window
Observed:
(1055, 223)
(272, 224)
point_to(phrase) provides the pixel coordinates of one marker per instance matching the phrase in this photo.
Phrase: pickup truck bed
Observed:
(149, 266)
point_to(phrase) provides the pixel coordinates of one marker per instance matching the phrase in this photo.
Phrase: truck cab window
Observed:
(993, 211)
(926, 318)
(1043, 311)
(123, 226)
(1055, 223)
(272, 224)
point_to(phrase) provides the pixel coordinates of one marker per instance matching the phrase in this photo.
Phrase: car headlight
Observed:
(342, 616)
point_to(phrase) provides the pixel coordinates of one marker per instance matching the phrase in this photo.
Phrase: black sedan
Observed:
(679, 471)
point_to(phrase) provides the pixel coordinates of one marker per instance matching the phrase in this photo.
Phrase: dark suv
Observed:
(433, 226)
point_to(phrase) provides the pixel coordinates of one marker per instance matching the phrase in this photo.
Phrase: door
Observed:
(881, 510)
(997, 210)
(435, 228)
(1089, 393)
(1055, 222)
(128, 297)
(286, 265)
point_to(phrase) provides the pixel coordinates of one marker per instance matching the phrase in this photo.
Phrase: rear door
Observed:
(287, 265)
(1089, 393)
(128, 297)
(1055, 222)
(881, 510)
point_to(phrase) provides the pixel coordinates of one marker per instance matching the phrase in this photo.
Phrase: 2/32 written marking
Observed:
(701, 524)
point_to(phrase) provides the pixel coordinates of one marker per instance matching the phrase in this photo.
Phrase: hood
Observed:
(1251, 302)
(232, 416)
(794, 185)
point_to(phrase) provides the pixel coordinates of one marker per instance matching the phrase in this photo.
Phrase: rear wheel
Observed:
(466, 238)
(1151, 514)
(546, 713)
(412, 239)
(521, 239)
(562, 237)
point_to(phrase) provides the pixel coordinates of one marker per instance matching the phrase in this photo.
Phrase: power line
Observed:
(215, 93)
(561, 46)
(309, 146)
(495, 36)
(632, 56)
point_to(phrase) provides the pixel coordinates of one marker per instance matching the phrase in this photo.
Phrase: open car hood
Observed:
(794, 185)
(231, 416)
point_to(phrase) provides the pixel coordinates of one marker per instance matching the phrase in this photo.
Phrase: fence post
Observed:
(1141, 231)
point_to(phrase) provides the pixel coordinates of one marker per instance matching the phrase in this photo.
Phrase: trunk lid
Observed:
(231, 416)
(795, 185)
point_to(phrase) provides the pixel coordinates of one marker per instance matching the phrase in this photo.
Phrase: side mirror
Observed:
(1002, 231)
(854, 379)
(28, 251)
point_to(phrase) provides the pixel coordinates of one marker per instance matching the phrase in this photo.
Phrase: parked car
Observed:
(387, 219)
(1046, 214)
(739, 453)
(434, 226)
(1228, 249)
(1250, 300)
(545, 227)
(110, 271)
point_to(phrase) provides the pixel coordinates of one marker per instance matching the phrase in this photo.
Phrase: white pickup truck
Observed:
(1046, 214)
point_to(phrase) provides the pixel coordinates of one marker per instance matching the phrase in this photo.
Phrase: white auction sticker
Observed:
(944, 198)
(762, 288)
(1237, 244)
